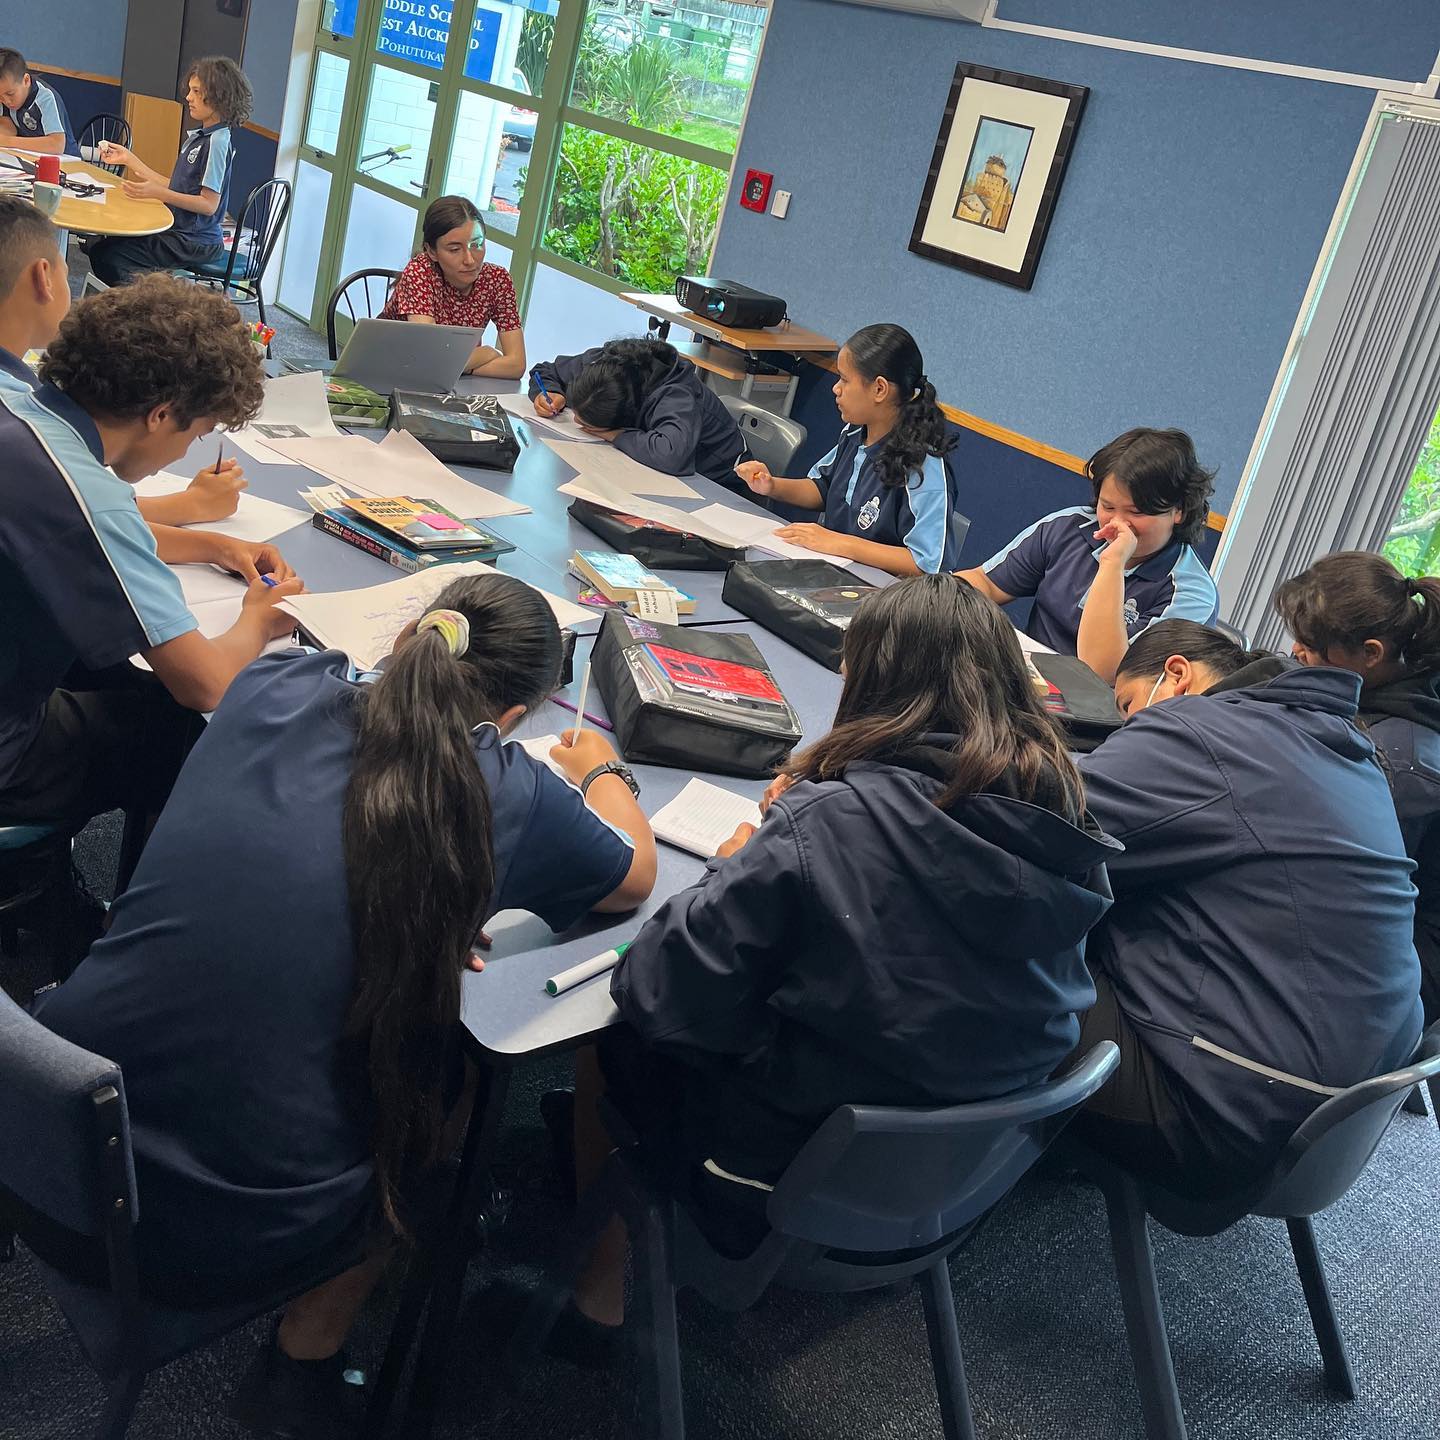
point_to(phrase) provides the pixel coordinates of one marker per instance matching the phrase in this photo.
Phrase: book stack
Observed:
(621, 577)
(409, 533)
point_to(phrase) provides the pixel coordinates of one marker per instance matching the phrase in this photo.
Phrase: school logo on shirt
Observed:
(1132, 612)
(193, 153)
(869, 513)
(31, 122)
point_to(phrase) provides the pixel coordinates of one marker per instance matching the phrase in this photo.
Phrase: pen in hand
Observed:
(219, 454)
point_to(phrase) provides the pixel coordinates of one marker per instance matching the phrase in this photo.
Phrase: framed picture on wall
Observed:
(995, 175)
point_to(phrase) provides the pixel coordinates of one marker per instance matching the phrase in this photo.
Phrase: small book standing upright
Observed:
(693, 698)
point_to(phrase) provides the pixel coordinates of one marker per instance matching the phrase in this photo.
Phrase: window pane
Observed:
(632, 212)
(399, 116)
(414, 30)
(1414, 541)
(510, 43)
(338, 16)
(686, 73)
(327, 101)
(566, 315)
(304, 237)
(490, 158)
(380, 232)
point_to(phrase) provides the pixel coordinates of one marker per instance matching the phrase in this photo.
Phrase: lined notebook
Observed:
(702, 817)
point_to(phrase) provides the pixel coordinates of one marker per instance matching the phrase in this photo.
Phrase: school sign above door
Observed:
(418, 30)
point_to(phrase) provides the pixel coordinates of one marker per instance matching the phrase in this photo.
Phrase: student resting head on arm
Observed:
(1357, 611)
(217, 100)
(906, 927)
(888, 488)
(1258, 956)
(1100, 574)
(289, 1082)
(450, 283)
(32, 115)
(34, 299)
(133, 378)
(648, 401)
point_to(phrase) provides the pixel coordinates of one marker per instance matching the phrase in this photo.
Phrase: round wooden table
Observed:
(119, 215)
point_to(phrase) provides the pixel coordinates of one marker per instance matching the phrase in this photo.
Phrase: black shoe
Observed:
(575, 1338)
(557, 1110)
(287, 1399)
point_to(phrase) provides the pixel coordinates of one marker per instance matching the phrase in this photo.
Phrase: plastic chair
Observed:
(103, 127)
(875, 1196)
(1321, 1162)
(65, 1155)
(773, 439)
(238, 275)
(357, 293)
(1234, 632)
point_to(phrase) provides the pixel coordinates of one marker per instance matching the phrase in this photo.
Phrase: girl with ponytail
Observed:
(648, 402)
(888, 488)
(282, 981)
(1357, 612)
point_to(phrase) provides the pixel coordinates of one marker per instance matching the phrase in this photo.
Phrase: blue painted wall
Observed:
(1194, 208)
(76, 34)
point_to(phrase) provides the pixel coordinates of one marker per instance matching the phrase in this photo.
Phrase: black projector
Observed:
(729, 303)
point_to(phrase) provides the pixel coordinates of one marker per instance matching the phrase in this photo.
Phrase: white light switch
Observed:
(781, 204)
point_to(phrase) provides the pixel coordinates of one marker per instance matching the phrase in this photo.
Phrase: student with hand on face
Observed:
(888, 488)
(34, 299)
(450, 283)
(378, 819)
(32, 115)
(218, 99)
(1100, 574)
(1258, 955)
(648, 401)
(1357, 612)
(82, 587)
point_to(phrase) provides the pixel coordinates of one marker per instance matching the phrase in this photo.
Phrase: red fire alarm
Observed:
(755, 192)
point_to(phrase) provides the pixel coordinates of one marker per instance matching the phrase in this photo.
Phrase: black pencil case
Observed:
(807, 602)
(659, 546)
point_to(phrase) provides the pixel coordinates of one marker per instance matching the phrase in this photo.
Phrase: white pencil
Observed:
(586, 970)
(580, 705)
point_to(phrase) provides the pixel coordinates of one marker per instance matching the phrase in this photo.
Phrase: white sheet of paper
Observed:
(702, 817)
(215, 617)
(758, 531)
(295, 406)
(613, 497)
(657, 604)
(538, 747)
(608, 463)
(202, 584)
(563, 426)
(1031, 647)
(256, 518)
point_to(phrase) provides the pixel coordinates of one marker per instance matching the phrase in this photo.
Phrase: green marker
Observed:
(586, 970)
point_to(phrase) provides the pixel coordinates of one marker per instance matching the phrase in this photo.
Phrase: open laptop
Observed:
(389, 355)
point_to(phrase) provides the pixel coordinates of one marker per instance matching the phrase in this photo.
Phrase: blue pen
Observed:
(535, 376)
(269, 580)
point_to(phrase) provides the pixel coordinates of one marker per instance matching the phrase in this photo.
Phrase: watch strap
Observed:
(611, 767)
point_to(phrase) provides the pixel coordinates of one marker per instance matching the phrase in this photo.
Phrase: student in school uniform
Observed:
(1258, 956)
(451, 283)
(888, 488)
(217, 97)
(288, 1081)
(648, 401)
(32, 115)
(82, 587)
(1101, 573)
(906, 927)
(1357, 611)
(34, 299)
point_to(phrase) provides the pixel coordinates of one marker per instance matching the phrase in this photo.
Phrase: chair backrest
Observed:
(114, 128)
(1235, 633)
(358, 294)
(773, 439)
(263, 218)
(873, 1179)
(60, 1106)
(1328, 1152)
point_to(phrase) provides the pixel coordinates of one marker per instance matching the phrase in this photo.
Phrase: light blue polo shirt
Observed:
(41, 113)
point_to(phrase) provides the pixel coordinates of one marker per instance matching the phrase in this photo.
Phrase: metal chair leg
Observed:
(419, 1279)
(1144, 1317)
(949, 1365)
(656, 1337)
(1338, 1375)
(1434, 1087)
(120, 1406)
(1415, 1102)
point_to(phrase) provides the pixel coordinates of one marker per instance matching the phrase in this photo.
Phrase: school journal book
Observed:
(417, 523)
(652, 542)
(810, 603)
(693, 698)
(349, 527)
(621, 577)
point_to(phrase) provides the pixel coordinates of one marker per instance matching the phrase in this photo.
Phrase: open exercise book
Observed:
(702, 817)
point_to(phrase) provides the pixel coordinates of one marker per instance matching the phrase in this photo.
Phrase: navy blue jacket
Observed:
(683, 429)
(1263, 905)
(867, 947)
(1404, 722)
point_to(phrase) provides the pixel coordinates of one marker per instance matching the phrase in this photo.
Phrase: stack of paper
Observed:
(563, 426)
(604, 492)
(296, 406)
(254, 519)
(759, 530)
(702, 817)
(538, 747)
(614, 467)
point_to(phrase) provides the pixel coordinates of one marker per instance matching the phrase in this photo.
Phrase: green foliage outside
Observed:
(1414, 542)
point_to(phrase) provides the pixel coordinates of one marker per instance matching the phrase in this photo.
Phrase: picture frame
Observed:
(994, 179)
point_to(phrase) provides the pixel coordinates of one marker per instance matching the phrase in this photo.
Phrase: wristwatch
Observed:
(611, 767)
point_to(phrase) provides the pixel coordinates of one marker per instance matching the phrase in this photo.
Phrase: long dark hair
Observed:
(417, 841)
(890, 351)
(1349, 598)
(1162, 472)
(447, 213)
(931, 654)
(1199, 644)
(610, 391)
(226, 89)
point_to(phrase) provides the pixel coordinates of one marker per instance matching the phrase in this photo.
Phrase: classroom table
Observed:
(118, 215)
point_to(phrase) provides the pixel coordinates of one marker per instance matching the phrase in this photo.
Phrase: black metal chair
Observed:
(358, 294)
(1322, 1161)
(876, 1196)
(240, 272)
(100, 127)
(1234, 632)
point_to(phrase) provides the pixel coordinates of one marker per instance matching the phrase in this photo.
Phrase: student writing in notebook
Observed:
(32, 115)
(888, 488)
(906, 927)
(378, 820)
(34, 299)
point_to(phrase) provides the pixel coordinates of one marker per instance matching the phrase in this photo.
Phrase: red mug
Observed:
(47, 169)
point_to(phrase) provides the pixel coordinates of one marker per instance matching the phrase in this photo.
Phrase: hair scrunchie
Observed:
(452, 625)
(1412, 589)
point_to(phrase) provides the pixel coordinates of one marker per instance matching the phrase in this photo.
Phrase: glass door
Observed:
(1413, 544)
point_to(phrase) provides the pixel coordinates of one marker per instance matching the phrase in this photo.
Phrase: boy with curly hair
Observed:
(217, 95)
